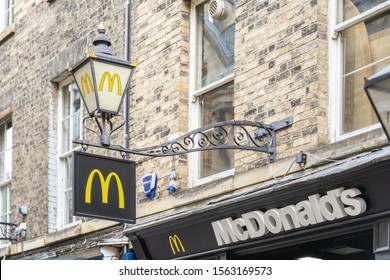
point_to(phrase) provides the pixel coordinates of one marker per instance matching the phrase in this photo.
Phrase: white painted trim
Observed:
(367, 66)
(60, 166)
(193, 118)
(6, 182)
(68, 153)
(357, 132)
(213, 85)
(60, 171)
(333, 116)
(212, 178)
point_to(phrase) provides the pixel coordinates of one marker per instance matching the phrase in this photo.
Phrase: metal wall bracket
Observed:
(261, 132)
(5, 233)
(239, 135)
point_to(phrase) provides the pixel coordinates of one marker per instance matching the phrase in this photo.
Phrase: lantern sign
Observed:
(102, 78)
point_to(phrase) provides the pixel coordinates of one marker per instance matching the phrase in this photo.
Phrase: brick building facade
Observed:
(277, 59)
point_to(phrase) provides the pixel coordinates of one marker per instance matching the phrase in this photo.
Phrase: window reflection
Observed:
(217, 106)
(355, 7)
(215, 55)
(366, 51)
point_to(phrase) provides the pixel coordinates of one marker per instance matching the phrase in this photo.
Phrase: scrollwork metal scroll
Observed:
(239, 135)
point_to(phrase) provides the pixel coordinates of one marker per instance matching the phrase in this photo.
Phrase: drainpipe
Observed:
(127, 57)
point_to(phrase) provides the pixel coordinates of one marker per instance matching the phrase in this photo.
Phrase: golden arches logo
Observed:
(86, 84)
(105, 185)
(175, 243)
(111, 81)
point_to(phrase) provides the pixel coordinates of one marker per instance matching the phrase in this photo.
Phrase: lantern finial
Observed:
(101, 41)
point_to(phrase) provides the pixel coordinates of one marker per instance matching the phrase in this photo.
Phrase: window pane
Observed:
(215, 46)
(366, 43)
(76, 103)
(8, 12)
(8, 165)
(217, 106)
(66, 101)
(70, 130)
(366, 51)
(354, 8)
(8, 152)
(75, 131)
(2, 15)
(8, 136)
(2, 167)
(68, 207)
(3, 200)
(2, 148)
(4, 206)
(5, 151)
(68, 201)
(2, 137)
(71, 113)
(65, 135)
(5, 213)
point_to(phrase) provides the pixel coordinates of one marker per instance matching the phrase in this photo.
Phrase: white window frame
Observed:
(7, 214)
(194, 159)
(61, 163)
(336, 64)
(6, 184)
(4, 12)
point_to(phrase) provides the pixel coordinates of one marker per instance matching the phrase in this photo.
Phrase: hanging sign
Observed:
(104, 187)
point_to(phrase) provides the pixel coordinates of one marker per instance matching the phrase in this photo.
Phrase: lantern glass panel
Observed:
(379, 94)
(111, 81)
(85, 83)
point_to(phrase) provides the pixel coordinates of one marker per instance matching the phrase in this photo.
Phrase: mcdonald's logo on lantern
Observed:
(111, 81)
(176, 244)
(86, 85)
(104, 187)
(102, 82)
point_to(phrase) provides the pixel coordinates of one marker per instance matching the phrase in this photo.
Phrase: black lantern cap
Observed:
(101, 41)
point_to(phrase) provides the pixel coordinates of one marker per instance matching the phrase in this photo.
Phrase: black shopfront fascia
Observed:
(193, 236)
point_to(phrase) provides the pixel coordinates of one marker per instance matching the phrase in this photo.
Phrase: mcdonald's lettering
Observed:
(175, 243)
(86, 85)
(111, 81)
(105, 185)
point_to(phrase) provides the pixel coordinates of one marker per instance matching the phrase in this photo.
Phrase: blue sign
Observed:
(150, 182)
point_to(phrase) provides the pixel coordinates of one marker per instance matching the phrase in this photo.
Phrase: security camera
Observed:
(22, 210)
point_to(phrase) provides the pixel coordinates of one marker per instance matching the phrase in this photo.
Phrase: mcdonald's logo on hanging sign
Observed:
(176, 244)
(111, 81)
(104, 187)
(86, 85)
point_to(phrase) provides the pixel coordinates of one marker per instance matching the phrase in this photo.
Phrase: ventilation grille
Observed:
(213, 8)
(219, 9)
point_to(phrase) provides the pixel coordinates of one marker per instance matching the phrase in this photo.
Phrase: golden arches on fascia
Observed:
(175, 243)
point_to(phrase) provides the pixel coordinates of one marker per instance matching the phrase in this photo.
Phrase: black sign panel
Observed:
(196, 238)
(195, 234)
(104, 188)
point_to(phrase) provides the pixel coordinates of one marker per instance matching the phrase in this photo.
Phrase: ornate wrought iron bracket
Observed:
(239, 135)
(105, 125)
(5, 233)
